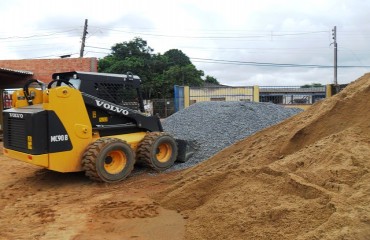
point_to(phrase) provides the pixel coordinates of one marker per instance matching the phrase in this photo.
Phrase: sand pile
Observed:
(305, 178)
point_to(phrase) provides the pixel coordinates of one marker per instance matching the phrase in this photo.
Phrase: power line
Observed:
(243, 35)
(268, 64)
(257, 50)
(261, 64)
(264, 34)
(36, 35)
(98, 47)
(55, 55)
(96, 52)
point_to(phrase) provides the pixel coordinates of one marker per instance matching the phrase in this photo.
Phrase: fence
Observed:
(163, 107)
(291, 95)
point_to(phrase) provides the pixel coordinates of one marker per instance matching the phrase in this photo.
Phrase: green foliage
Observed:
(177, 57)
(137, 47)
(159, 73)
(105, 63)
(180, 75)
(212, 80)
(184, 75)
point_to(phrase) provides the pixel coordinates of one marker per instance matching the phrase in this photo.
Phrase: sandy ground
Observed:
(305, 178)
(41, 204)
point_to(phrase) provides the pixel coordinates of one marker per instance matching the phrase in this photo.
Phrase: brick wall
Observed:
(44, 68)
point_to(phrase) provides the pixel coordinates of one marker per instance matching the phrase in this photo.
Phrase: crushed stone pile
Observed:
(305, 178)
(216, 125)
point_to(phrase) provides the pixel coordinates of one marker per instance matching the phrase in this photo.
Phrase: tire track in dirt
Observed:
(127, 209)
(43, 205)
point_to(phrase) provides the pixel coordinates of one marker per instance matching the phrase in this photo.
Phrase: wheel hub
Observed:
(164, 152)
(115, 162)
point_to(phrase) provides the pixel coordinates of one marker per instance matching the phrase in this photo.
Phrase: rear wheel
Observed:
(158, 150)
(108, 160)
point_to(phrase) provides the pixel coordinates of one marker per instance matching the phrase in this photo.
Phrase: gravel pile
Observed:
(217, 125)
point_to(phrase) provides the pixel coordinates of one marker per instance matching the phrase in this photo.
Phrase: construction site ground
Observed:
(305, 178)
(41, 204)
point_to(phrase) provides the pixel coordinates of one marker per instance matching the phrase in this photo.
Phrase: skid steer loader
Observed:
(92, 122)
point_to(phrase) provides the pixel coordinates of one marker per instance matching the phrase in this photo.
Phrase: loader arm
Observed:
(138, 120)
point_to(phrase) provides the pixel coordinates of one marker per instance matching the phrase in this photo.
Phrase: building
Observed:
(15, 73)
(287, 96)
(220, 93)
(42, 69)
(293, 96)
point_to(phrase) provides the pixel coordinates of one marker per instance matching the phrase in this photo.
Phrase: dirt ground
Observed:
(305, 178)
(41, 204)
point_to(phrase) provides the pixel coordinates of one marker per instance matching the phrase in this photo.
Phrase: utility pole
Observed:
(83, 39)
(334, 32)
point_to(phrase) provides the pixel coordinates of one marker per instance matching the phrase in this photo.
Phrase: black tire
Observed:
(108, 160)
(157, 150)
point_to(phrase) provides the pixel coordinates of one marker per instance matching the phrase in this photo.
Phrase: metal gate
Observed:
(163, 107)
(179, 98)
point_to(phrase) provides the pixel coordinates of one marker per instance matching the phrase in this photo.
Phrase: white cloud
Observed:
(285, 31)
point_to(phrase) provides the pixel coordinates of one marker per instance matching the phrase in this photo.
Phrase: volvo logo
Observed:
(111, 107)
(16, 115)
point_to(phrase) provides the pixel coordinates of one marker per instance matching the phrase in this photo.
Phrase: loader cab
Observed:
(120, 89)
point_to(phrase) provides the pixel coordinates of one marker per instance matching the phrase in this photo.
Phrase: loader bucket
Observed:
(186, 149)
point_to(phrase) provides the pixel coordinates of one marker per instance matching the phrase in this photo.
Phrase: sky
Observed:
(239, 42)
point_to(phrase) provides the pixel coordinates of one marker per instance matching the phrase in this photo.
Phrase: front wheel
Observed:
(158, 150)
(108, 160)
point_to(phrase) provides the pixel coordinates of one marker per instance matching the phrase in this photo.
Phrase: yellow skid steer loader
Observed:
(92, 122)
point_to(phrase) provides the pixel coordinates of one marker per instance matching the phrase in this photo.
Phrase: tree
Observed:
(159, 73)
(137, 47)
(133, 56)
(177, 57)
(212, 80)
(180, 75)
